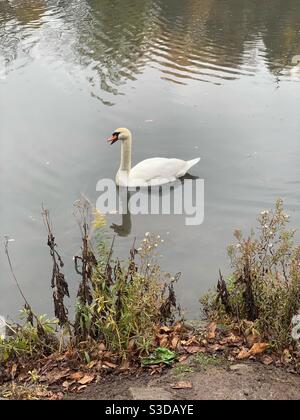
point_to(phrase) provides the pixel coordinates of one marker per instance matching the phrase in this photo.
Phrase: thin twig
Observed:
(6, 242)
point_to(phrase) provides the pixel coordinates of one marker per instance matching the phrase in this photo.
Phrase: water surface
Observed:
(190, 78)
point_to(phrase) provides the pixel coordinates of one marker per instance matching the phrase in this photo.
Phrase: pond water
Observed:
(190, 78)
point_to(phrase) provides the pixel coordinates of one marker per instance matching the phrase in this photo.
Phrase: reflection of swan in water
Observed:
(124, 229)
(295, 72)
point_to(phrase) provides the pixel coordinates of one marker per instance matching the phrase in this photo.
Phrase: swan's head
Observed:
(119, 134)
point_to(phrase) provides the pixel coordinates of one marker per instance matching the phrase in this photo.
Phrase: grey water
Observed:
(208, 78)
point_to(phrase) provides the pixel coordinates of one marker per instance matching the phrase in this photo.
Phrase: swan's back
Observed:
(160, 170)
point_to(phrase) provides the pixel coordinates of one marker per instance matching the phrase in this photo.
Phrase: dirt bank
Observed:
(242, 381)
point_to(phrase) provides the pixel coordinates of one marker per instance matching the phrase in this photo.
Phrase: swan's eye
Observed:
(116, 134)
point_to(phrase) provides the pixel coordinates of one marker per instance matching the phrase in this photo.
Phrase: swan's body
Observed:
(149, 172)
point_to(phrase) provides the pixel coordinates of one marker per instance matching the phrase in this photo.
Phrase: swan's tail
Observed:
(187, 167)
(191, 163)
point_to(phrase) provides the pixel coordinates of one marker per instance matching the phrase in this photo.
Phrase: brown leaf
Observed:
(243, 354)
(67, 384)
(165, 329)
(286, 356)
(13, 370)
(92, 364)
(182, 385)
(57, 396)
(131, 344)
(156, 369)
(87, 379)
(252, 339)
(76, 376)
(110, 365)
(164, 342)
(183, 358)
(211, 330)
(102, 347)
(191, 341)
(175, 342)
(56, 375)
(231, 339)
(178, 327)
(258, 348)
(81, 388)
(267, 360)
(193, 349)
(125, 365)
(215, 347)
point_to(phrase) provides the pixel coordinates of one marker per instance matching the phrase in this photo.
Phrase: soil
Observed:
(243, 381)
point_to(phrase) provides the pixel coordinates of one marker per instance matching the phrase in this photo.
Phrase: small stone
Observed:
(241, 368)
(150, 393)
(196, 325)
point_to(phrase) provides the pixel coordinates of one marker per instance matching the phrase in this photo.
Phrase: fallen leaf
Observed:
(211, 330)
(163, 341)
(58, 396)
(231, 339)
(250, 339)
(183, 358)
(182, 385)
(258, 348)
(155, 369)
(81, 388)
(76, 376)
(87, 379)
(56, 375)
(92, 364)
(13, 370)
(102, 347)
(110, 365)
(286, 356)
(193, 340)
(267, 360)
(215, 347)
(175, 342)
(193, 349)
(243, 354)
(125, 365)
(165, 329)
(131, 344)
(67, 384)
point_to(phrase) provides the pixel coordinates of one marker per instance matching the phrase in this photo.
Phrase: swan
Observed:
(149, 172)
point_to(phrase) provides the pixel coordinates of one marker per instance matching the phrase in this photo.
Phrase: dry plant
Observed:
(119, 305)
(264, 286)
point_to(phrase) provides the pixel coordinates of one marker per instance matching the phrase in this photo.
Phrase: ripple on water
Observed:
(181, 43)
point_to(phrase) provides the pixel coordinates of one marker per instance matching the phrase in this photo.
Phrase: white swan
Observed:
(149, 172)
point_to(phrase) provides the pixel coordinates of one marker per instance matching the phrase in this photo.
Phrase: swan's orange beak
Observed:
(113, 139)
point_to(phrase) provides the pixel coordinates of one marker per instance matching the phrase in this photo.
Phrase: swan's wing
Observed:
(161, 168)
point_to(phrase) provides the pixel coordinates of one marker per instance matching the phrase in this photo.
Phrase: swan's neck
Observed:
(126, 155)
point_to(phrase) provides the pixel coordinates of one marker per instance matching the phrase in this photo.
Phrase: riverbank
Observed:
(210, 364)
(193, 380)
(242, 381)
(129, 333)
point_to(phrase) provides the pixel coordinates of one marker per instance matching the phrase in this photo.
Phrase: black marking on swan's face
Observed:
(114, 137)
